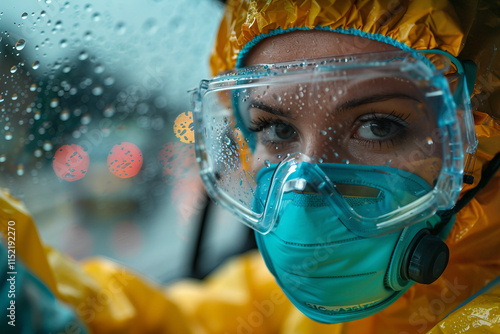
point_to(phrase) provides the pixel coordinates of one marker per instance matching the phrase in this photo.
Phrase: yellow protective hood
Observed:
(469, 29)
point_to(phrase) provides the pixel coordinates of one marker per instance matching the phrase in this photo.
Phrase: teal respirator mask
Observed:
(340, 165)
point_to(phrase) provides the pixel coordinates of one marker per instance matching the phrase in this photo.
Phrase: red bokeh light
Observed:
(71, 162)
(125, 160)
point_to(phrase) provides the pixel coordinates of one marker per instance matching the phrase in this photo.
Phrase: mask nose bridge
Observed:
(302, 177)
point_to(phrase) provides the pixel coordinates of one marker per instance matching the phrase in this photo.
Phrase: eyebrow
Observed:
(269, 109)
(373, 99)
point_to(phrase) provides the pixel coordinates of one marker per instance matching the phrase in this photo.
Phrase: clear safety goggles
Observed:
(380, 138)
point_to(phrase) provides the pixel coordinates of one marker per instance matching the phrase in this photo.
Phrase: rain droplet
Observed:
(14, 97)
(35, 65)
(345, 161)
(37, 115)
(120, 28)
(48, 1)
(33, 87)
(24, 16)
(2, 158)
(85, 119)
(150, 26)
(54, 102)
(47, 146)
(8, 135)
(87, 36)
(63, 43)
(429, 141)
(267, 163)
(108, 81)
(88, 7)
(20, 170)
(43, 13)
(323, 132)
(83, 55)
(38, 153)
(99, 68)
(109, 111)
(96, 17)
(13, 69)
(97, 91)
(64, 116)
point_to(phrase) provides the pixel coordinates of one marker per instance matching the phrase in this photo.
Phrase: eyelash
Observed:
(263, 122)
(399, 118)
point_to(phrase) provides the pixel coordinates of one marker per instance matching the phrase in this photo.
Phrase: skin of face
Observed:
(321, 125)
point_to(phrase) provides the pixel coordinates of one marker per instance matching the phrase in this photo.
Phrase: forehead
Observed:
(310, 44)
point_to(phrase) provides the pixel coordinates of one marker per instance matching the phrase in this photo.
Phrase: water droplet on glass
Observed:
(323, 132)
(388, 163)
(47, 146)
(99, 69)
(150, 26)
(37, 115)
(64, 116)
(96, 17)
(20, 170)
(120, 28)
(83, 55)
(97, 91)
(267, 163)
(33, 87)
(35, 65)
(38, 153)
(345, 161)
(8, 135)
(63, 43)
(85, 119)
(14, 97)
(109, 111)
(88, 7)
(320, 160)
(20, 44)
(13, 69)
(48, 1)
(429, 141)
(54, 102)
(58, 25)
(87, 35)
(108, 81)
(24, 16)
(43, 13)
(3, 158)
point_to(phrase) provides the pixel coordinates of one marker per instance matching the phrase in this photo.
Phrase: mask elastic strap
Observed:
(489, 171)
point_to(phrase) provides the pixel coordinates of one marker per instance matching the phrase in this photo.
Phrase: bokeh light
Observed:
(71, 162)
(184, 127)
(125, 160)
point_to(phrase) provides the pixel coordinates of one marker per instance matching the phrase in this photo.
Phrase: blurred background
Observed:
(96, 130)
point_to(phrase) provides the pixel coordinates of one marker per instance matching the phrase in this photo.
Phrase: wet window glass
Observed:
(96, 133)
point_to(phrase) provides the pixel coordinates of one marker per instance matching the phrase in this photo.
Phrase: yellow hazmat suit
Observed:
(242, 297)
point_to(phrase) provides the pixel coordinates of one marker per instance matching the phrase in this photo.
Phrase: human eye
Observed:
(381, 129)
(273, 131)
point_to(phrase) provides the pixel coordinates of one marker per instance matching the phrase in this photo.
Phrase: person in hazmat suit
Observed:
(360, 140)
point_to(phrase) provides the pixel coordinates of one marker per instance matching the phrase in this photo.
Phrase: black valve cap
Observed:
(429, 259)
